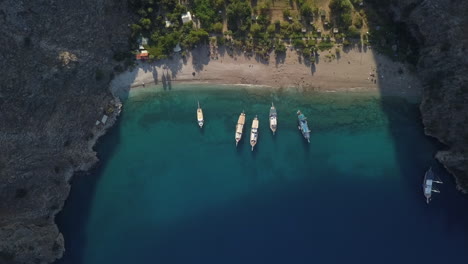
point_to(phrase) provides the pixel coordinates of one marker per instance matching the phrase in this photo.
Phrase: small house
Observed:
(187, 17)
(168, 23)
(304, 30)
(335, 30)
(143, 55)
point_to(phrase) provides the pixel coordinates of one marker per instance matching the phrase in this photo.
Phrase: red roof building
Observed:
(142, 56)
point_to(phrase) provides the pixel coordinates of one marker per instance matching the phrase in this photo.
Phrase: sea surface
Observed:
(168, 192)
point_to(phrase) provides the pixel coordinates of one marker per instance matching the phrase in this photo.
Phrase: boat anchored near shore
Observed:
(273, 118)
(200, 116)
(240, 127)
(254, 133)
(428, 184)
(303, 126)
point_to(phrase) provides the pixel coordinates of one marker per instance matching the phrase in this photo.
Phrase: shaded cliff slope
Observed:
(441, 27)
(56, 61)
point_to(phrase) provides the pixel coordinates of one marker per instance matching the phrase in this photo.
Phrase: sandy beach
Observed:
(353, 70)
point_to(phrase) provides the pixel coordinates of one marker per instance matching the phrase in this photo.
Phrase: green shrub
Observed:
(298, 43)
(325, 45)
(306, 11)
(358, 22)
(217, 27)
(286, 13)
(271, 29)
(353, 32)
(145, 23)
(280, 48)
(255, 30)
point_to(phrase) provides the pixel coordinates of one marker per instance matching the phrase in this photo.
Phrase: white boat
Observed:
(428, 185)
(254, 133)
(200, 116)
(303, 126)
(240, 127)
(273, 118)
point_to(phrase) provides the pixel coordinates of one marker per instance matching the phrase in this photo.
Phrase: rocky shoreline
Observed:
(57, 61)
(441, 28)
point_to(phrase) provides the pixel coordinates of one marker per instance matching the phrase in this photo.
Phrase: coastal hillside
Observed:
(441, 29)
(56, 61)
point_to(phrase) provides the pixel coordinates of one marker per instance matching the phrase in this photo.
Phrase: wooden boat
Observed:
(273, 118)
(303, 126)
(240, 127)
(200, 116)
(254, 133)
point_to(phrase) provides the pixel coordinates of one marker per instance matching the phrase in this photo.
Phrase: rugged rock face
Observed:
(56, 62)
(441, 26)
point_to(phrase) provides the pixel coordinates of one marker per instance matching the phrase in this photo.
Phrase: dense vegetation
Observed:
(235, 23)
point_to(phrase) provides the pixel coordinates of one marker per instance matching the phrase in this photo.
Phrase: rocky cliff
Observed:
(441, 28)
(56, 62)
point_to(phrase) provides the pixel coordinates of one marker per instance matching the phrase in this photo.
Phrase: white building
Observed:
(177, 48)
(186, 17)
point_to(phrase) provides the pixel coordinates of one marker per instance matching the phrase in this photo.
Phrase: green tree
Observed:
(205, 13)
(346, 19)
(286, 13)
(238, 14)
(353, 32)
(217, 27)
(195, 37)
(145, 23)
(136, 29)
(218, 4)
(341, 5)
(296, 27)
(306, 10)
(358, 22)
(280, 48)
(255, 30)
(298, 43)
(271, 29)
(306, 53)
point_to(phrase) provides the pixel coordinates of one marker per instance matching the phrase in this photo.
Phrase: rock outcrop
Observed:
(56, 62)
(441, 27)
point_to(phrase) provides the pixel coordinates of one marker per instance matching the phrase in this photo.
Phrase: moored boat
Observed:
(303, 126)
(200, 116)
(428, 185)
(273, 118)
(254, 133)
(240, 127)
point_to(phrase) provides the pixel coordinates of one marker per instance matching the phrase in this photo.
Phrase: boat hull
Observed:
(303, 126)
(200, 119)
(273, 119)
(254, 133)
(239, 128)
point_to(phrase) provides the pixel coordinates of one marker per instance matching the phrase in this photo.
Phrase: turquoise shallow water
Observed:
(168, 192)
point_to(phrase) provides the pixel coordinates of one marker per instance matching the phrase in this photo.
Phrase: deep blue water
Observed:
(167, 192)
